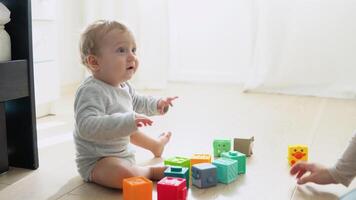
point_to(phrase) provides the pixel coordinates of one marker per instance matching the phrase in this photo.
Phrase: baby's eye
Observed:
(134, 50)
(121, 50)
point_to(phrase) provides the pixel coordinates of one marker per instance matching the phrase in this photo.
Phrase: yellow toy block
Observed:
(296, 153)
(135, 188)
(200, 158)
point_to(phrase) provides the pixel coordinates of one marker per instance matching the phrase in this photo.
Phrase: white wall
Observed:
(70, 23)
(210, 40)
(305, 48)
(148, 20)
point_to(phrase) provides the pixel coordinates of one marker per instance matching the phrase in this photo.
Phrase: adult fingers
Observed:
(300, 166)
(301, 173)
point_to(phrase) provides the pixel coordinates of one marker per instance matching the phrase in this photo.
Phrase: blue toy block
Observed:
(239, 157)
(226, 170)
(204, 175)
(221, 146)
(180, 172)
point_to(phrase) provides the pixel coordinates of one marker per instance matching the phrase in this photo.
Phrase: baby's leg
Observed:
(111, 171)
(156, 146)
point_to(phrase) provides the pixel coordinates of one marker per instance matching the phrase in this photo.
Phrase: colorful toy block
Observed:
(244, 145)
(178, 161)
(204, 175)
(171, 188)
(239, 157)
(296, 153)
(200, 158)
(137, 188)
(221, 146)
(180, 172)
(226, 170)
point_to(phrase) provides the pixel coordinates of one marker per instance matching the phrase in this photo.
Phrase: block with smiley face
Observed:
(297, 153)
(221, 146)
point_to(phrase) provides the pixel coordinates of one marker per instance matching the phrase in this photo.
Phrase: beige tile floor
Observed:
(202, 113)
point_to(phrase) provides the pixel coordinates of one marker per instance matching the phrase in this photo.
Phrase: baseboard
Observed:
(44, 109)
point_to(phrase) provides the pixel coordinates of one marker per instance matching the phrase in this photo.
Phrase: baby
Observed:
(106, 109)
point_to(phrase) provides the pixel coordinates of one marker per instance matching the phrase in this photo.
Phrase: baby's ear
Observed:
(92, 63)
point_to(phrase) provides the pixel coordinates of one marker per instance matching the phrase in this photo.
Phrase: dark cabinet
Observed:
(18, 137)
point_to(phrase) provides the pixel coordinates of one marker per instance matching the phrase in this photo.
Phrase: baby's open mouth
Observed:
(130, 68)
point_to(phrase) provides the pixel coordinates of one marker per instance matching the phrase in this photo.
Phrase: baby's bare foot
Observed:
(163, 139)
(157, 172)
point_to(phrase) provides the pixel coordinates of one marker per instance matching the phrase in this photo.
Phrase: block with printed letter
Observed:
(239, 157)
(171, 188)
(137, 188)
(204, 175)
(226, 170)
(220, 146)
(177, 171)
(297, 153)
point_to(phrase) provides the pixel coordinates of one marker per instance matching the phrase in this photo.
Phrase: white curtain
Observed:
(148, 20)
(304, 47)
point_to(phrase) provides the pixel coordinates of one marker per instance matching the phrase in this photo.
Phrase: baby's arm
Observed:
(93, 123)
(345, 169)
(149, 105)
(143, 104)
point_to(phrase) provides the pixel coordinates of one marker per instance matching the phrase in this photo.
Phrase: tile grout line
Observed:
(69, 192)
(313, 131)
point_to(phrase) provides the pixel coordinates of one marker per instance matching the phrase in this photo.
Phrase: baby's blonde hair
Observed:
(90, 38)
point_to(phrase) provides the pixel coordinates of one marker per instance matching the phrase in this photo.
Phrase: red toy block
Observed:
(172, 188)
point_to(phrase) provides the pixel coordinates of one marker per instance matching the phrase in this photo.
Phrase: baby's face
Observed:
(117, 60)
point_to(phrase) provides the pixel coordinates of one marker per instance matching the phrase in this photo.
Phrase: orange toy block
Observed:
(200, 158)
(296, 153)
(135, 188)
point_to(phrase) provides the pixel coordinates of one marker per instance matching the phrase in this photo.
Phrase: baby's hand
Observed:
(142, 120)
(164, 104)
(317, 173)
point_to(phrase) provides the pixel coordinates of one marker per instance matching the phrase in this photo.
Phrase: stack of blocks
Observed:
(171, 188)
(178, 161)
(137, 188)
(221, 146)
(204, 175)
(180, 172)
(226, 170)
(239, 157)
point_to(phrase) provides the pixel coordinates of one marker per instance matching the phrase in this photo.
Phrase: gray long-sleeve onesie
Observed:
(345, 169)
(104, 120)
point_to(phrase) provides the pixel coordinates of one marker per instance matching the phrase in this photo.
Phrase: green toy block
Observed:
(221, 146)
(180, 172)
(239, 157)
(226, 170)
(178, 161)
